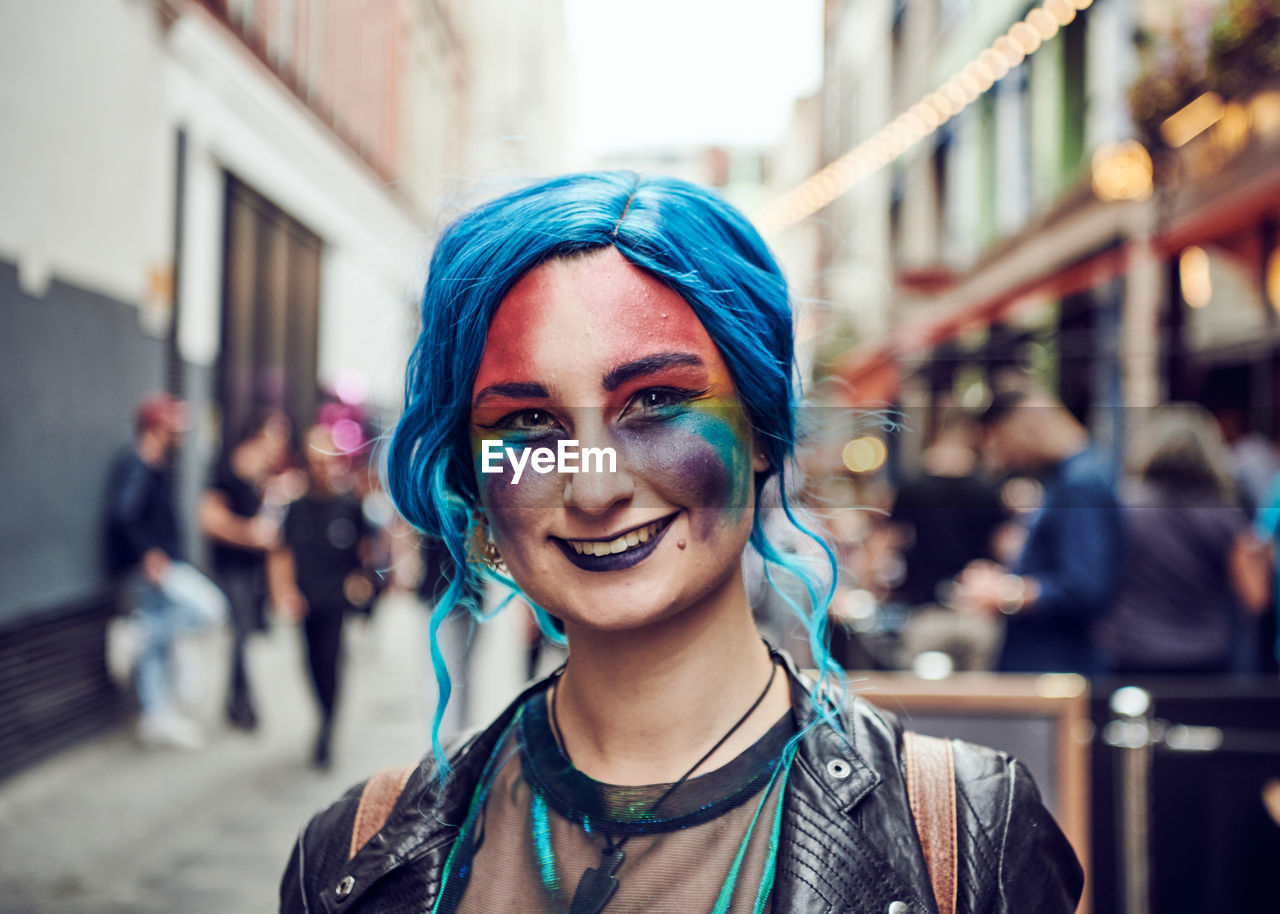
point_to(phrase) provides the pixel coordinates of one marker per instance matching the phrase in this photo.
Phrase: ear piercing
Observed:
(481, 549)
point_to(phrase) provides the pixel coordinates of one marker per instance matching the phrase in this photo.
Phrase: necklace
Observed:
(599, 883)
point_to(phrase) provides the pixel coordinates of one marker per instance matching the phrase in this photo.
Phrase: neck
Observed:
(641, 706)
(1066, 441)
(151, 449)
(246, 464)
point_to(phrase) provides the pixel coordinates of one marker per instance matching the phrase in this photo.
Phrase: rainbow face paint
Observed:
(591, 353)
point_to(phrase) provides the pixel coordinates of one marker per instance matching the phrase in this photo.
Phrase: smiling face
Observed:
(593, 350)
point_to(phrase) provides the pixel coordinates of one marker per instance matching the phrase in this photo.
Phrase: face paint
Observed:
(593, 350)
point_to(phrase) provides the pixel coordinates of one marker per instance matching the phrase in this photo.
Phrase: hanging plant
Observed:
(1244, 47)
(1230, 49)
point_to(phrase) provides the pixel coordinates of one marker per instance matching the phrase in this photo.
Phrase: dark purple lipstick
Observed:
(618, 561)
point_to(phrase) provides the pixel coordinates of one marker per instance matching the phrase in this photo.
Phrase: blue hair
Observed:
(681, 234)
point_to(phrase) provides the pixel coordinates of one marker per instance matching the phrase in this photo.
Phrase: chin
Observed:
(638, 604)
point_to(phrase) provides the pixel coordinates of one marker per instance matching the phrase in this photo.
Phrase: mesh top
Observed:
(538, 824)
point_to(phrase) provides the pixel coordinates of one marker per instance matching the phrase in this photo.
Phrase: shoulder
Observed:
(418, 829)
(323, 855)
(991, 786)
(1089, 471)
(1013, 855)
(126, 463)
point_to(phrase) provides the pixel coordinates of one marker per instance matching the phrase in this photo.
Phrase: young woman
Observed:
(603, 384)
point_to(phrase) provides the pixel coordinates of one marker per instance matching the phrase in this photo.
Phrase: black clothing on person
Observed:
(241, 572)
(244, 500)
(324, 534)
(949, 522)
(847, 841)
(141, 514)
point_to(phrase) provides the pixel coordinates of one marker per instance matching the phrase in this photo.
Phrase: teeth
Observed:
(619, 545)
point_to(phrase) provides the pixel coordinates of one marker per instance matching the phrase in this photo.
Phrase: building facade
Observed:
(233, 200)
(1042, 229)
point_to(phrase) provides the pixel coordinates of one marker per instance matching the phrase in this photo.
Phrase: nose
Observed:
(602, 481)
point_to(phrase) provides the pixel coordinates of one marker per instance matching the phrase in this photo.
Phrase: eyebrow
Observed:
(648, 365)
(515, 390)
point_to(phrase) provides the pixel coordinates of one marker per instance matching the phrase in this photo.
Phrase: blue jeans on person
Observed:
(186, 601)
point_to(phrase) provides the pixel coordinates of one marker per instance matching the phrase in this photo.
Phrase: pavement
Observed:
(110, 827)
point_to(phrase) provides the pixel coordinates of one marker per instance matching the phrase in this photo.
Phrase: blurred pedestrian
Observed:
(167, 596)
(1254, 461)
(1264, 655)
(317, 574)
(941, 520)
(1065, 580)
(1191, 562)
(242, 528)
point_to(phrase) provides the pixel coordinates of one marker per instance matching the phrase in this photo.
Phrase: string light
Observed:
(920, 120)
(1061, 10)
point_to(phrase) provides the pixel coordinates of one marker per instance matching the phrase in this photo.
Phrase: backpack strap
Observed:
(377, 799)
(931, 789)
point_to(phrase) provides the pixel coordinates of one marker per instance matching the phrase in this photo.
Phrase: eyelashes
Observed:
(525, 422)
(660, 402)
(652, 404)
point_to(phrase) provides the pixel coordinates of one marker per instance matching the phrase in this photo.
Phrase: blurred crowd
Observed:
(1016, 547)
(294, 520)
(1019, 546)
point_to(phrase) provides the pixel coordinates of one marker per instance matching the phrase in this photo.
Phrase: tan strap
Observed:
(377, 799)
(931, 788)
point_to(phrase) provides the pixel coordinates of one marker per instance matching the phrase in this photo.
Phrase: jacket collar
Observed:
(829, 751)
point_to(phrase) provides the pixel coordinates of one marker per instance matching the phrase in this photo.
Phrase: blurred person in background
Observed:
(675, 762)
(1254, 461)
(167, 596)
(317, 573)
(243, 527)
(1191, 562)
(1064, 582)
(1263, 654)
(942, 520)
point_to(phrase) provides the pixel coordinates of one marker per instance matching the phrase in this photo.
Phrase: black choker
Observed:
(598, 884)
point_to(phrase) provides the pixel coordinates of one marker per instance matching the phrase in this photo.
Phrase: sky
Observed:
(690, 72)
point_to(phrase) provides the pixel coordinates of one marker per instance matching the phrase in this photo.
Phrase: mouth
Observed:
(623, 551)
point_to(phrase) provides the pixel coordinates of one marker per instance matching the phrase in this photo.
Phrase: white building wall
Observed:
(240, 119)
(87, 156)
(858, 280)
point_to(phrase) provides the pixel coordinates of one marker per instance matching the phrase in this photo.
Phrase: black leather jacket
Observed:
(848, 842)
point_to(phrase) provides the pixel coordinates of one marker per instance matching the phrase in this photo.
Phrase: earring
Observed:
(481, 549)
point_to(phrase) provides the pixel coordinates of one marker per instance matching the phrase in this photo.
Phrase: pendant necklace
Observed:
(598, 884)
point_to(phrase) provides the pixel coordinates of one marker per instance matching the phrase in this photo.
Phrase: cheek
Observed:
(512, 506)
(699, 460)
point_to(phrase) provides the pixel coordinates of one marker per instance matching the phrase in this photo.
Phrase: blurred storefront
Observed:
(1121, 252)
(234, 201)
(1086, 195)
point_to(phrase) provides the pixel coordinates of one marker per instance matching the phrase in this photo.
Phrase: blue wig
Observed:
(685, 237)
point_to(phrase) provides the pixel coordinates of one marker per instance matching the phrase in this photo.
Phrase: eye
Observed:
(527, 422)
(657, 402)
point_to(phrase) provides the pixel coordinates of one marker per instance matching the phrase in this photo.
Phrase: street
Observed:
(108, 827)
